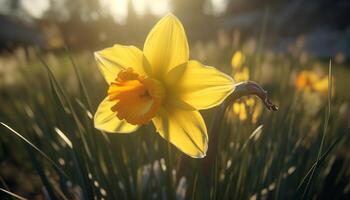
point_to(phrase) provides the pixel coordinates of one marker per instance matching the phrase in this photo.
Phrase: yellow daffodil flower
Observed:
(160, 84)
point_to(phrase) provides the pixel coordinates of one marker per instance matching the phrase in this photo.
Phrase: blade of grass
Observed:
(63, 137)
(35, 162)
(39, 168)
(5, 185)
(12, 194)
(255, 133)
(75, 153)
(83, 107)
(307, 188)
(78, 155)
(194, 186)
(35, 148)
(284, 159)
(323, 157)
(80, 80)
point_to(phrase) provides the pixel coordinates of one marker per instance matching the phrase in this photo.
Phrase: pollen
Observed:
(137, 98)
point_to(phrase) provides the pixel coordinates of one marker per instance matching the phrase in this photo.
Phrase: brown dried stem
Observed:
(245, 88)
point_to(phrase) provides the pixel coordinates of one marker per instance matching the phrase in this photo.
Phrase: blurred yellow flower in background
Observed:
(237, 60)
(241, 108)
(160, 84)
(313, 84)
(311, 81)
(241, 75)
(239, 71)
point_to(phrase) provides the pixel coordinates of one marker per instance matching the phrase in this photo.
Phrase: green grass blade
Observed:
(328, 111)
(323, 157)
(35, 148)
(35, 162)
(80, 79)
(39, 168)
(194, 189)
(5, 186)
(254, 135)
(12, 194)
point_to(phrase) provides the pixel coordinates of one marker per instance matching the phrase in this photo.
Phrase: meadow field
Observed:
(49, 148)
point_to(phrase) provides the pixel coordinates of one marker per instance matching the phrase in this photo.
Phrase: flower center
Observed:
(137, 98)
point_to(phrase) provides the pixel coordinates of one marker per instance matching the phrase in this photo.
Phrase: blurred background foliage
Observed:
(92, 24)
(50, 88)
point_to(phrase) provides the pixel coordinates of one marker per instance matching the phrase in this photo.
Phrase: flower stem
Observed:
(245, 88)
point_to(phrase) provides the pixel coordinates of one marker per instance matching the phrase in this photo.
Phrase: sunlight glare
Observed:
(140, 6)
(158, 7)
(219, 6)
(155, 7)
(117, 8)
(35, 8)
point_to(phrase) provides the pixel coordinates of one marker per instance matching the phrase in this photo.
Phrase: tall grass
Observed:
(46, 117)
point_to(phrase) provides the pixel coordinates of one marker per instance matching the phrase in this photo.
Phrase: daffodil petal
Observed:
(166, 45)
(200, 86)
(106, 120)
(184, 129)
(114, 59)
